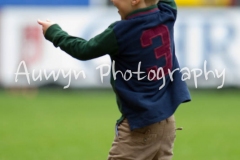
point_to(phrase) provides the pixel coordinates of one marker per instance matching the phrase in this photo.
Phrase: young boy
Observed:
(142, 42)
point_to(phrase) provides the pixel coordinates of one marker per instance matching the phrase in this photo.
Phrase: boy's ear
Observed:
(135, 2)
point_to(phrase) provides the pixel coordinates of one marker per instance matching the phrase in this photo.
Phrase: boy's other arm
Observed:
(172, 3)
(104, 43)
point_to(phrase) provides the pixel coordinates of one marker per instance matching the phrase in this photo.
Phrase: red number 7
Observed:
(162, 51)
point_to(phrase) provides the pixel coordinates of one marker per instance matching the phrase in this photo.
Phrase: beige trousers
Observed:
(154, 142)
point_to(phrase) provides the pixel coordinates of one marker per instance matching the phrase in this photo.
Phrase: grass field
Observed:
(79, 125)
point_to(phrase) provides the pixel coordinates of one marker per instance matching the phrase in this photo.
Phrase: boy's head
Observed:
(127, 6)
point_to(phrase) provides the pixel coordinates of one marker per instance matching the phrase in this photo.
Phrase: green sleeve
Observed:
(102, 44)
(172, 3)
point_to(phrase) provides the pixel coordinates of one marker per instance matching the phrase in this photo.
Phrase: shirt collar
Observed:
(142, 11)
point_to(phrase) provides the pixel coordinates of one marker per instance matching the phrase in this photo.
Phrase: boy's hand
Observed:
(45, 25)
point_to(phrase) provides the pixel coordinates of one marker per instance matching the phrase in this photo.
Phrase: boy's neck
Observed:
(136, 5)
(143, 4)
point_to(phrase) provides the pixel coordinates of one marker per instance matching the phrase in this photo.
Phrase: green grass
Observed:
(73, 125)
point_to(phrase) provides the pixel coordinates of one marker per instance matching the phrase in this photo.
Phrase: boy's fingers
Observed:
(40, 22)
(43, 22)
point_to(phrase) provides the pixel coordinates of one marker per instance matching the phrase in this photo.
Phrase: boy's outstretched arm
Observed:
(104, 43)
(172, 3)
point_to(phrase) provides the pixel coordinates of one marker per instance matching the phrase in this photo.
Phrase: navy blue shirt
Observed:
(146, 39)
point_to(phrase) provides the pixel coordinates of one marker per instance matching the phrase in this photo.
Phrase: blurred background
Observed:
(55, 107)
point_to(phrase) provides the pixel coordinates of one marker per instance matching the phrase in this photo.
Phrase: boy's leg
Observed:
(147, 143)
(165, 151)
